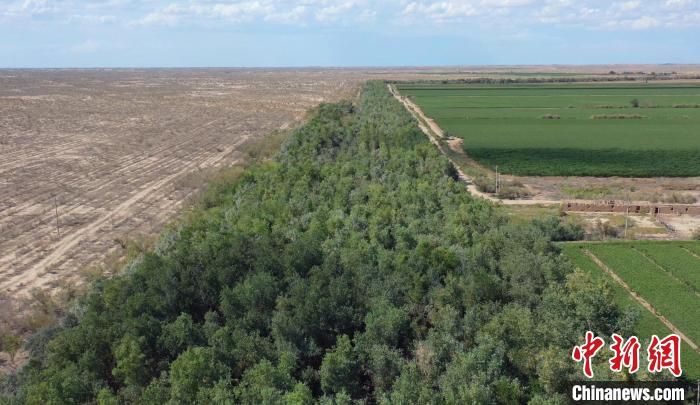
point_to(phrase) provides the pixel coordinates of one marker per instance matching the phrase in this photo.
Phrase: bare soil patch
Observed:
(654, 189)
(684, 226)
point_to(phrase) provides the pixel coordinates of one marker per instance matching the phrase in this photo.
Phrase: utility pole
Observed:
(58, 226)
(498, 185)
(627, 213)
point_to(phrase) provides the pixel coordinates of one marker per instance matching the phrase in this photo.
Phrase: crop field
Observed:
(629, 130)
(90, 157)
(662, 273)
(675, 259)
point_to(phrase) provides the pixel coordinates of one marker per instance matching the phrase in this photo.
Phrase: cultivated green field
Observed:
(652, 270)
(571, 129)
(676, 260)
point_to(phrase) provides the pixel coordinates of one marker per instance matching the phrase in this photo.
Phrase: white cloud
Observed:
(643, 23)
(158, 18)
(441, 11)
(629, 5)
(458, 9)
(188, 13)
(507, 3)
(367, 15)
(29, 8)
(622, 15)
(680, 4)
(88, 46)
(516, 15)
(640, 23)
(333, 12)
(238, 11)
(92, 19)
(294, 15)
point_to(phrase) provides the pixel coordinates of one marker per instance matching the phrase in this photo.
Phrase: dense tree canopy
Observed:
(351, 267)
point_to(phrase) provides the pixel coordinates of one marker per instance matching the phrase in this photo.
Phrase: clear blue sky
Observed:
(136, 33)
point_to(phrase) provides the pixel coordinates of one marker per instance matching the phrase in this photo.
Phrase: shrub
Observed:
(485, 184)
(558, 230)
(678, 198)
(509, 190)
(587, 193)
(11, 344)
(618, 117)
(604, 230)
(512, 192)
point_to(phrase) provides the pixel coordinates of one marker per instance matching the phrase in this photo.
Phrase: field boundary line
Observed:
(690, 252)
(666, 271)
(637, 297)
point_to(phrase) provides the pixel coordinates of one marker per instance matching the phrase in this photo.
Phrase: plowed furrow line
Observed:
(98, 178)
(13, 161)
(32, 277)
(190, 138)
(154, 170)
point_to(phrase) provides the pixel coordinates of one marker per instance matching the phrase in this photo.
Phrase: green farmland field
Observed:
(676, 260)
(674, 299)
(571, 129)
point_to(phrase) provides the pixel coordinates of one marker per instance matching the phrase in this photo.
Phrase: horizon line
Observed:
(477, 66)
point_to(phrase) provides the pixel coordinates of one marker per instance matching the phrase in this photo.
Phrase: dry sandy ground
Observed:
(653, 189)
(113, 154)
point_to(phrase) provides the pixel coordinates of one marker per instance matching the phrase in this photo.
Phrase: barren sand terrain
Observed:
(91, 156)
